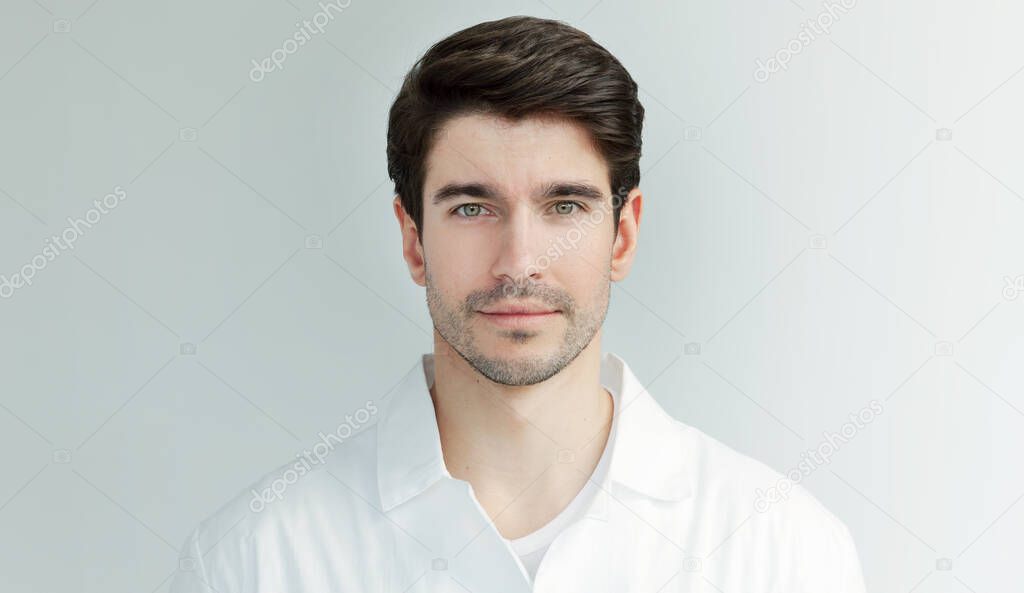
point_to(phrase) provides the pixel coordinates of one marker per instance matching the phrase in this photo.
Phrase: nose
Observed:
(519, 248)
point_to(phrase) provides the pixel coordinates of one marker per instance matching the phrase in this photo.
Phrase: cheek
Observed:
(448, 250)
(454, 271)
(585, 270)
(591, 249)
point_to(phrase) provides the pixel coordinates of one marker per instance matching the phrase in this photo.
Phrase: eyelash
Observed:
(454, 212)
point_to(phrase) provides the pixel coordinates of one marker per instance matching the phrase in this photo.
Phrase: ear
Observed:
(624, 248)
(412, 249)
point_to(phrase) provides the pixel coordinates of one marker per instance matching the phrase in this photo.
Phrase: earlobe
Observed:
(416, 261)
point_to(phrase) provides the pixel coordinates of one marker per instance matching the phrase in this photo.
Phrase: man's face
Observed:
(516, 214)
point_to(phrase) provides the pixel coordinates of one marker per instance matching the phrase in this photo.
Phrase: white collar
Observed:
(646, 453)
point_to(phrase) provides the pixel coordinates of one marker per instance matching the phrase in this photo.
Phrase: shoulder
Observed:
(771, 509)
(336, 480)
(320, 471)
(722, 472)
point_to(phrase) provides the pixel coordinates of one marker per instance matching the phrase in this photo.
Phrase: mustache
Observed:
(551, 297)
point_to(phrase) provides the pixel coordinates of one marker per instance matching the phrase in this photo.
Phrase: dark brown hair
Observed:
(515, 67)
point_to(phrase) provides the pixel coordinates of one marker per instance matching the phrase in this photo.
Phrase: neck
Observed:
(534, 442)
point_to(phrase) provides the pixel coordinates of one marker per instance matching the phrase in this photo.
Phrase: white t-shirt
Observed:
(531, 547)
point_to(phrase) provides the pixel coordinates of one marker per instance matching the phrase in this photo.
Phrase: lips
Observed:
(519, 310)
(537, 318)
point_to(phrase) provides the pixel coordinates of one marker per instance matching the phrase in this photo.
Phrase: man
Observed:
(516, 456)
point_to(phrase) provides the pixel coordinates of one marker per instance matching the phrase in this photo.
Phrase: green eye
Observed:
(576, 204)
(477, 206)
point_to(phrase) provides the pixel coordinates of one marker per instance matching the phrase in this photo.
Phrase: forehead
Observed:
(516, 155)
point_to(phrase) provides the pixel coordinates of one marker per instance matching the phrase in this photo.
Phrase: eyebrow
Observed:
(487, 191)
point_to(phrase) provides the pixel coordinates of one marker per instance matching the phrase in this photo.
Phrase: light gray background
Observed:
(815, 234)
